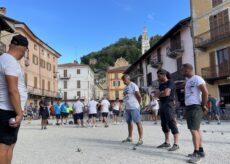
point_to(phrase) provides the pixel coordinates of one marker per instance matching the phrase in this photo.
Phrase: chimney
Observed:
(2, 10)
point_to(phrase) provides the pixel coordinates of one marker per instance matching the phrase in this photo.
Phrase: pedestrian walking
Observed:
(196, 99)
(213, 110)
(13, 96)
(167, 109)
(132, 100)
(78, 113)
(105, 104)
(116, 111)
(57, 108)
(92, 111)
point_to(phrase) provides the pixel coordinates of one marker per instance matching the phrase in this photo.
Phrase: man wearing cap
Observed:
(13, 96)
(167, 109)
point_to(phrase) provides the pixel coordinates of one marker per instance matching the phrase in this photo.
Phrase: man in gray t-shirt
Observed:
(13, 96)
(132, 100)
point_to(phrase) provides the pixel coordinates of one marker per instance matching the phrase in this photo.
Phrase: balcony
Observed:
(216, 72)
(65, 77)
(42, 92)
(213, 36)
(156, 64)
(177, 76)
(2, 48)
(175, 51)
(136, 73)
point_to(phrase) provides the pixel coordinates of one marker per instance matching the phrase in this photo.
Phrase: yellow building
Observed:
(211, 31)
(40, 64)
(115, 83)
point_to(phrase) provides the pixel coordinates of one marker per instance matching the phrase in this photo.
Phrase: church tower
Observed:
(145, 41)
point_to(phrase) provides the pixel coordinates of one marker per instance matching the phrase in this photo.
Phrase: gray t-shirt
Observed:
(10, 66)
(130, 99)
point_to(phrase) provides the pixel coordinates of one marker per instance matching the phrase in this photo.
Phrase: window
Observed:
(116, 76)
(149, 79)
(116, 83)
(48, 85)
(65, 73)
(54, 69)
(175, 42)
(35, 47)
(48, 66)
(78, 84)
(53, 59)
(216, 2)
(65, 95)
(35, 60)
(42, 63)
(223, 56)
(65, 84)
(48, 55)
(116, 94)
(35, 82)
(159, 55)
(148, 60)
(78, 71)
(78, 93)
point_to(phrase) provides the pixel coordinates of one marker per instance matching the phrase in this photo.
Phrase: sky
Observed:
(75, 28)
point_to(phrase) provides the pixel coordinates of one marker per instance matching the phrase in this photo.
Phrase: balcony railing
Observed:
(2, 48)
(212, 36)
(65, 76)
(216, 72)
(175, 52)
(42, 92)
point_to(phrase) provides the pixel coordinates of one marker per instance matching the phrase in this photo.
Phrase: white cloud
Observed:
(150, 16)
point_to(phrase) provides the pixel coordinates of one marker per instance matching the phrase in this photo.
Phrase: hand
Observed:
(205, 109)
(18, 121)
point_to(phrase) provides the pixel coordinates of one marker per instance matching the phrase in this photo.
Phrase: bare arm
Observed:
(138, 96)
(165, 93)
(14, 96)
(204, 91)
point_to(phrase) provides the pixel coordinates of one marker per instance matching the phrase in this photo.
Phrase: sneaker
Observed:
(202, 154)
(164, 145)
(219, 123)
(140, 142)
(106, 126)
(45, 128)
(195, 158)
(127, 140)
(174, 147)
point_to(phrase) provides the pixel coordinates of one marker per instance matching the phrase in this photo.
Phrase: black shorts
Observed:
(92, 115)
(8, 135)
(116, 112)
(64, 115)
(105, 114)
(58, 116)
(78, 116)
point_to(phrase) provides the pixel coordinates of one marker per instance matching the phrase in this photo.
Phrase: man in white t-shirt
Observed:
(105, 104)
(78, 112)
(132, 100)
(92, 110)
(196, 99)
(13, 96)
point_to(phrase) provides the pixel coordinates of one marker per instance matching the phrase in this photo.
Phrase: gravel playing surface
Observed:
(71, 145)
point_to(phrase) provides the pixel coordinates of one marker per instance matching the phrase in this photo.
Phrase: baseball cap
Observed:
(20, 40)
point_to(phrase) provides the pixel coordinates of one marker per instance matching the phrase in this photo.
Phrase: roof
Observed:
(117, 69)
(162, 40)
(19, 22)
(71, 65)
(4, 26)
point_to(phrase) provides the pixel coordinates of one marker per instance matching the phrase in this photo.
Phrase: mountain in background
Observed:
(130, 49)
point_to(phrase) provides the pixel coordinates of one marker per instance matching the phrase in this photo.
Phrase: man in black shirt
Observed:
(167, 109)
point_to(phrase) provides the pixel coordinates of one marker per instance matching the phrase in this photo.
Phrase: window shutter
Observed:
(212, 59)
(229, 56)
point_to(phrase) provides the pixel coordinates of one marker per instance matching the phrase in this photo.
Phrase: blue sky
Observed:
(77, 27)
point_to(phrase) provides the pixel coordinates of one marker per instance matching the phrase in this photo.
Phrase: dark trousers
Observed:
(167, 114)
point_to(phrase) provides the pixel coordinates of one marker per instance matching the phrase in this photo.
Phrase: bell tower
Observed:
(145, 45)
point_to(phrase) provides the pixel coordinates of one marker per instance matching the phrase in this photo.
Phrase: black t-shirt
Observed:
(168, 84)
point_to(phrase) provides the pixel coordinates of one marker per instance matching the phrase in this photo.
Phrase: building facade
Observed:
(39, 65)
(170, 52)
(115, 83)
(211, 30)
(75, 80)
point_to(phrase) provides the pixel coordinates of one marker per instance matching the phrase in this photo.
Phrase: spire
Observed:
(145, 41)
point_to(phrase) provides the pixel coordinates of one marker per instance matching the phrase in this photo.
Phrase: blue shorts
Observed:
(133, 115)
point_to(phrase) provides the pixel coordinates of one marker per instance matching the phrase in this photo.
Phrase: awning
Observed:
(4, 26)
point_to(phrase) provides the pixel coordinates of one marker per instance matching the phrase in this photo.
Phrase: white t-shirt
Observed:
(78, 107)
(116, 106)
(93, 107)
(105, 106)
(10, 66)
(192, 90)
(130, 99)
